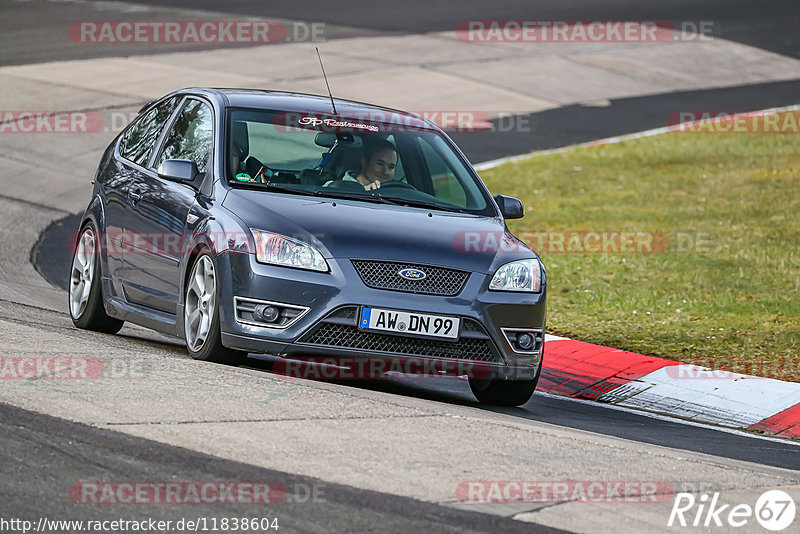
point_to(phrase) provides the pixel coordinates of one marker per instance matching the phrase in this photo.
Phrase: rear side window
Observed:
(191, 136)
(139, 139)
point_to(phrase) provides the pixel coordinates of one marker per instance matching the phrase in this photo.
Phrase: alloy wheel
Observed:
(200, 303)
(82, 273)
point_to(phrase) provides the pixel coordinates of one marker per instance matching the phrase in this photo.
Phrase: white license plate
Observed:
(409, 322)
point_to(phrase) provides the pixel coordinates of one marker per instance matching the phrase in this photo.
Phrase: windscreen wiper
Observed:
(280, 189)
(383, 199)
(343, 195)
(421, 204)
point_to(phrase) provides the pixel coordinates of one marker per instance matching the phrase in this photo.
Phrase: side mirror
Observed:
(510, 207)
(178, 170)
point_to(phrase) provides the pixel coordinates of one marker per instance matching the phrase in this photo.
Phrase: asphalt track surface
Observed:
(50, 255)
(569, 125)
(35, 33)
(593, 418)
(42, 455)
(769, 25)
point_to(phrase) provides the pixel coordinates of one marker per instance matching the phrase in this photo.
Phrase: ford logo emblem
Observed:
(411, 274)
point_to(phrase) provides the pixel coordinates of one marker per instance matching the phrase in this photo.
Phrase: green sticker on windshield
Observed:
(243, 177)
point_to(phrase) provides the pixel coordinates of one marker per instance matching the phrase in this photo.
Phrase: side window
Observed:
(445, 184)
(399, 172)
(191, 136)
(139, 139)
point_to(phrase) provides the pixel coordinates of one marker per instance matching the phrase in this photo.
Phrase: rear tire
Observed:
(85, 286)
(201, 316)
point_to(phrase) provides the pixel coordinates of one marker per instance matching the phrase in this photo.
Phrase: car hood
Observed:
(362, 230)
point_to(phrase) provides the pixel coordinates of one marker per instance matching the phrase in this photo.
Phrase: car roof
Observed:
(307, 103)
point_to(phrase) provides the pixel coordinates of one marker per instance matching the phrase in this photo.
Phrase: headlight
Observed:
(281, 250)
(523, 275)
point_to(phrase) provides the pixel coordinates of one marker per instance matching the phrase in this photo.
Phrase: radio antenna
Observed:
(326, 80)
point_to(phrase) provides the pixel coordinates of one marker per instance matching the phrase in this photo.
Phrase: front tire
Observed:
(201, 315)
(505, 392)
(85, 286)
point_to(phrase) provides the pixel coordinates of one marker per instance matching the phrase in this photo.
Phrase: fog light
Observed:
(266, 314)
(525, 341)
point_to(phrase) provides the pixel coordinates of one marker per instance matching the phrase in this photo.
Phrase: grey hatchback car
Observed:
(248, 221)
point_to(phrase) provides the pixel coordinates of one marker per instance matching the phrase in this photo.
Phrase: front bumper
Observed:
(329, 327)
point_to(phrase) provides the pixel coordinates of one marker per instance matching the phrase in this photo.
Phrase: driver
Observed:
(377, 166)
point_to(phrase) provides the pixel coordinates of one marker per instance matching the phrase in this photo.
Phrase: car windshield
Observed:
(349, 158)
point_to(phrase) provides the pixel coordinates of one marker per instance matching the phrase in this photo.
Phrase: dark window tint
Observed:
(139, 139)
(191, 135)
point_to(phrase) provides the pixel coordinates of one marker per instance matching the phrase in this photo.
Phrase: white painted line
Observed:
(730, 399)
(618, 139)
(668, 418)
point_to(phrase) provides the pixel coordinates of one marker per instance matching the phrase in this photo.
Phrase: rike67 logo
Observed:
(774, 510)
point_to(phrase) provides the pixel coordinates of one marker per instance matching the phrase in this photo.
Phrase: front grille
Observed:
(335, 331)
(438, 280)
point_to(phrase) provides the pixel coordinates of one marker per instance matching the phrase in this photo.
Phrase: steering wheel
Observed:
(396, 184)
(346, 185)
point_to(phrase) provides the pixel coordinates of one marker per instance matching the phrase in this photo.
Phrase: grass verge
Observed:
(718, 286)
